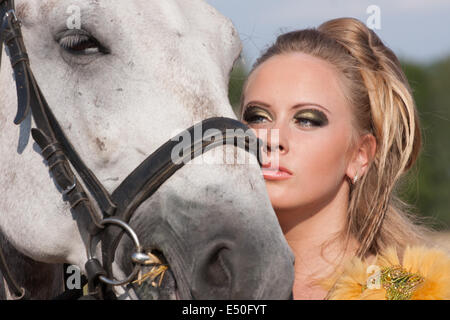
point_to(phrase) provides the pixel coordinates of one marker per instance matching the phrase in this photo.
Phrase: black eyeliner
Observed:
(255, 111)
(318, 117)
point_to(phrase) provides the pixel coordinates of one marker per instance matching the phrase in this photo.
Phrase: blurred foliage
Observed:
(428, 184)
(237, 79)
(429, 190)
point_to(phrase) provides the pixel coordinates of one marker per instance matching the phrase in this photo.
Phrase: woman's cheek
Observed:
(318, 173)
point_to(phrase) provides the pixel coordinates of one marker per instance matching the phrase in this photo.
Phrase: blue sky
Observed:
(417, 30)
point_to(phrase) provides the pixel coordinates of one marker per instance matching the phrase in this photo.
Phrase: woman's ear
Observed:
(363, 155)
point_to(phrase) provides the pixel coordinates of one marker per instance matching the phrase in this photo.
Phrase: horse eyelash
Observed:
(73, 40)
(70, 41)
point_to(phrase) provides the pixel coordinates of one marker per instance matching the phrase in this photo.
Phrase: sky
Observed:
(416, 30)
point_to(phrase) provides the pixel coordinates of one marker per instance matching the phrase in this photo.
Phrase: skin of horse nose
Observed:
(223, 272)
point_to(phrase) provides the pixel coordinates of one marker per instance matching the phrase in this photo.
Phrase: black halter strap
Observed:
(58, 151)
(145, 180)
(56, 148)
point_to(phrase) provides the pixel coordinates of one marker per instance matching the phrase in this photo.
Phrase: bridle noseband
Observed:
(118, 207)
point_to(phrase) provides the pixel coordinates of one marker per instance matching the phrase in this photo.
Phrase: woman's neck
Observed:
(307, 231)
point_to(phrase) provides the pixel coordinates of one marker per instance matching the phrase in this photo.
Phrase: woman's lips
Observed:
(279, 173)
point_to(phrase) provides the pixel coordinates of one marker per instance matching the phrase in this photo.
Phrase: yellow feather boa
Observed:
(424, 274)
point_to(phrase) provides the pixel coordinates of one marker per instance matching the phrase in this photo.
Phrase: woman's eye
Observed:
(311, 118)
(307, 123)
(80, 42)
(255, 115)
(255, 119)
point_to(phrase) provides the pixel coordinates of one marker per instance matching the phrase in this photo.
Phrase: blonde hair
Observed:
(383, 105)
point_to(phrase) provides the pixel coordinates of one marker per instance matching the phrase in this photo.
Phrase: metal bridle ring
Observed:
(13, 12)
(132, 234)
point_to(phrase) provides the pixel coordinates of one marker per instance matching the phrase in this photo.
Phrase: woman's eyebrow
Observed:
(303, 104)
(296, 106)
(258, 103)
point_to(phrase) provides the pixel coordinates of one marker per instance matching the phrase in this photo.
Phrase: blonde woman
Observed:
(347, 131)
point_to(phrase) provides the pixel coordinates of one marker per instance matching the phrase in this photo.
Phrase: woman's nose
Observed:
(275, 144)
(275, 147)
(277, 140)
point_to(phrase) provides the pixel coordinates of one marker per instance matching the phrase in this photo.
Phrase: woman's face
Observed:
(302, 99)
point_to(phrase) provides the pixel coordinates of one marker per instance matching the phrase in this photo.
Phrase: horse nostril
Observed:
(214, 273)
(217, 273)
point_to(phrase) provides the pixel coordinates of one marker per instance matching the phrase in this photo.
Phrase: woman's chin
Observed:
(282, 200)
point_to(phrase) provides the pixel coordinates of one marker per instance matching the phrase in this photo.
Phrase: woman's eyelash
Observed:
(305, 120)
(313, 117)
(309, 123)
(255, 114)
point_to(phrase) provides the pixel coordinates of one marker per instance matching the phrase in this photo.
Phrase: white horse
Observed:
(136, 73)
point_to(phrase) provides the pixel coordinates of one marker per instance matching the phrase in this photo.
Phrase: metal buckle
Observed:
(70, 188)
(13, 12)
(138, 257)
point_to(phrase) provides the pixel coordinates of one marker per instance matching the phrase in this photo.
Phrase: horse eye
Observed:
(80, 42)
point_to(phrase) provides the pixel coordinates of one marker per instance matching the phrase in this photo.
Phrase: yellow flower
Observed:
(424, 274)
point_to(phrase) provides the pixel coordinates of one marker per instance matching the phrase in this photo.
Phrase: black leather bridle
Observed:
(118, 207)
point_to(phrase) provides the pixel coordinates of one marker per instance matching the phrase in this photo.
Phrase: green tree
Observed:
(430, 182)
